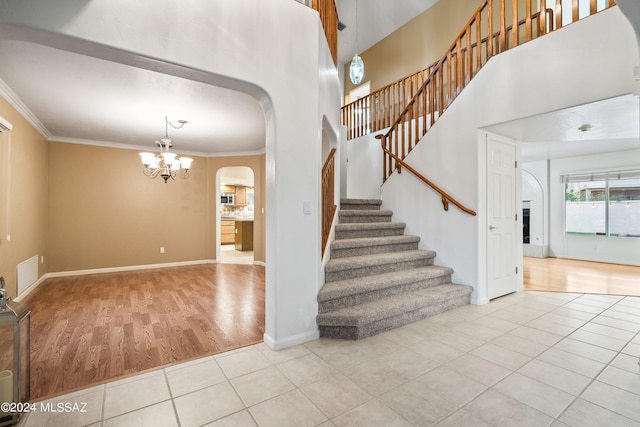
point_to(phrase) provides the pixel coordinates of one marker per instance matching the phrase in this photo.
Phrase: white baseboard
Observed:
(109, 270)
(290, 341)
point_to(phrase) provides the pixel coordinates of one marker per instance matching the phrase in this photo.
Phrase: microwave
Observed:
(227, 199)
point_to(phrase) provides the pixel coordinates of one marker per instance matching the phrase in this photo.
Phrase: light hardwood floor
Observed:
(90, 329)
(566, 275)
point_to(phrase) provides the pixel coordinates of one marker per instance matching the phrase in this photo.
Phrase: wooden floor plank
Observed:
(94, 328)
(567, 275)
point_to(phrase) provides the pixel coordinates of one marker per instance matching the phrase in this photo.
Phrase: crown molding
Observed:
(147, 148)
(16, 102)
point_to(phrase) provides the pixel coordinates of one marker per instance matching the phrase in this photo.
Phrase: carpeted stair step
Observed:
(345, 293)
(367, 265)
(374, 229)
(370, 318)
(360, 204)
(362, 216)
(372, 245)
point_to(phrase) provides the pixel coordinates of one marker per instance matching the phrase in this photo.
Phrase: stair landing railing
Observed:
(518, 22)
(378, 110)
(329, 18)
(328, 197)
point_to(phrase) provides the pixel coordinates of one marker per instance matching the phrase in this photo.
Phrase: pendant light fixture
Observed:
(356, 69)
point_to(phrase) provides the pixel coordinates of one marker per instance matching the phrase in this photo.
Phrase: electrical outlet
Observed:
(161, 249)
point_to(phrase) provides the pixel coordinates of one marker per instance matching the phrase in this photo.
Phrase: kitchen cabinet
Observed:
(241, 196)
(227, 232)
(244, 236)
(228, 189)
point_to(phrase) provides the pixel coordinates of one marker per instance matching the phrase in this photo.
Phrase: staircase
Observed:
(377, 279)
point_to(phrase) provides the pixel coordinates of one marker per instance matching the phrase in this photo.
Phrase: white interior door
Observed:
(502, 220)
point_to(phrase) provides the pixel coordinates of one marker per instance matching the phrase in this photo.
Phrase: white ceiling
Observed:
(76, 98)
(614, 126)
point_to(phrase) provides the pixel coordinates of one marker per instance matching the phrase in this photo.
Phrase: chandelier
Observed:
(356, 69)
(165, 163)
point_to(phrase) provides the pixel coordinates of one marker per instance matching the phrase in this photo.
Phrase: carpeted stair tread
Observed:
(363, 216)
(364, 314)
(363, 242)
(370, 226)
(363, 261)
(360, 203)
(368, 229)
(360, 285)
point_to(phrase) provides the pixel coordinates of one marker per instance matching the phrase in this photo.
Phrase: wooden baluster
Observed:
(416, 136)
(527, 21)
(514, 24)
(575, 10)
(383, 142)
(489, 30)
(558, 14)
(349, 122)
(478, 42)
(387, 108)
(593, 7)
(468, 57)
(503, 30)
(542, 19)
(360, 118)
(458, 69)
(395, 147)
(440, 74)
(448, 77)
(425, 111)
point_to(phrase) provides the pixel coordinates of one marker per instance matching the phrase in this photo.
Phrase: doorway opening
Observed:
(236, 215)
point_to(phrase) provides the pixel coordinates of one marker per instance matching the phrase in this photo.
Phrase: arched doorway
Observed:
(235, 186)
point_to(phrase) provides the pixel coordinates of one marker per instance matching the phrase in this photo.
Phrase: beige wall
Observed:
(416, 45)
(257, 164)
(105, 213)
(25, 214)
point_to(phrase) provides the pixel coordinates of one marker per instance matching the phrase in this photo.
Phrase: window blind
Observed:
(601, 176)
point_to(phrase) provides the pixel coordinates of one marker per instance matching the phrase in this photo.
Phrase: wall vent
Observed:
(27, 273)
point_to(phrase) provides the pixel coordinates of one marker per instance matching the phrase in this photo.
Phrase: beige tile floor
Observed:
(527, 359)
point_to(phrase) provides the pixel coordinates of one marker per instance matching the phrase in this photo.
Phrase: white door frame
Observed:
(482, 296)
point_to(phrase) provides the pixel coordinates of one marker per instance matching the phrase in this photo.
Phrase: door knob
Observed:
(491, 227)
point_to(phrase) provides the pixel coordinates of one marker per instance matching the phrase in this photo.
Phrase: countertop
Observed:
(236, 218)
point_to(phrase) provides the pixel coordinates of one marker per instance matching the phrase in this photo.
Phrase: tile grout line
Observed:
(595, 378)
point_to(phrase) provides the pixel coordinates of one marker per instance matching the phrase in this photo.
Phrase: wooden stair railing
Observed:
(446, 198)
(329, 18)
(328, 197)
(377, 110)
(473, 47)
(380, 109)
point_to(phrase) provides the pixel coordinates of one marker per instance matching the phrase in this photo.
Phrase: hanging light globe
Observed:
(356, 70)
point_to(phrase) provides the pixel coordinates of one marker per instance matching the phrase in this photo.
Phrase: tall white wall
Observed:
(587, 61)
(273, 50)
(364, 167)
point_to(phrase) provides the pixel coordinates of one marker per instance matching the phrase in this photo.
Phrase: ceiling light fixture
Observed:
(166, 164)
(356, 69)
